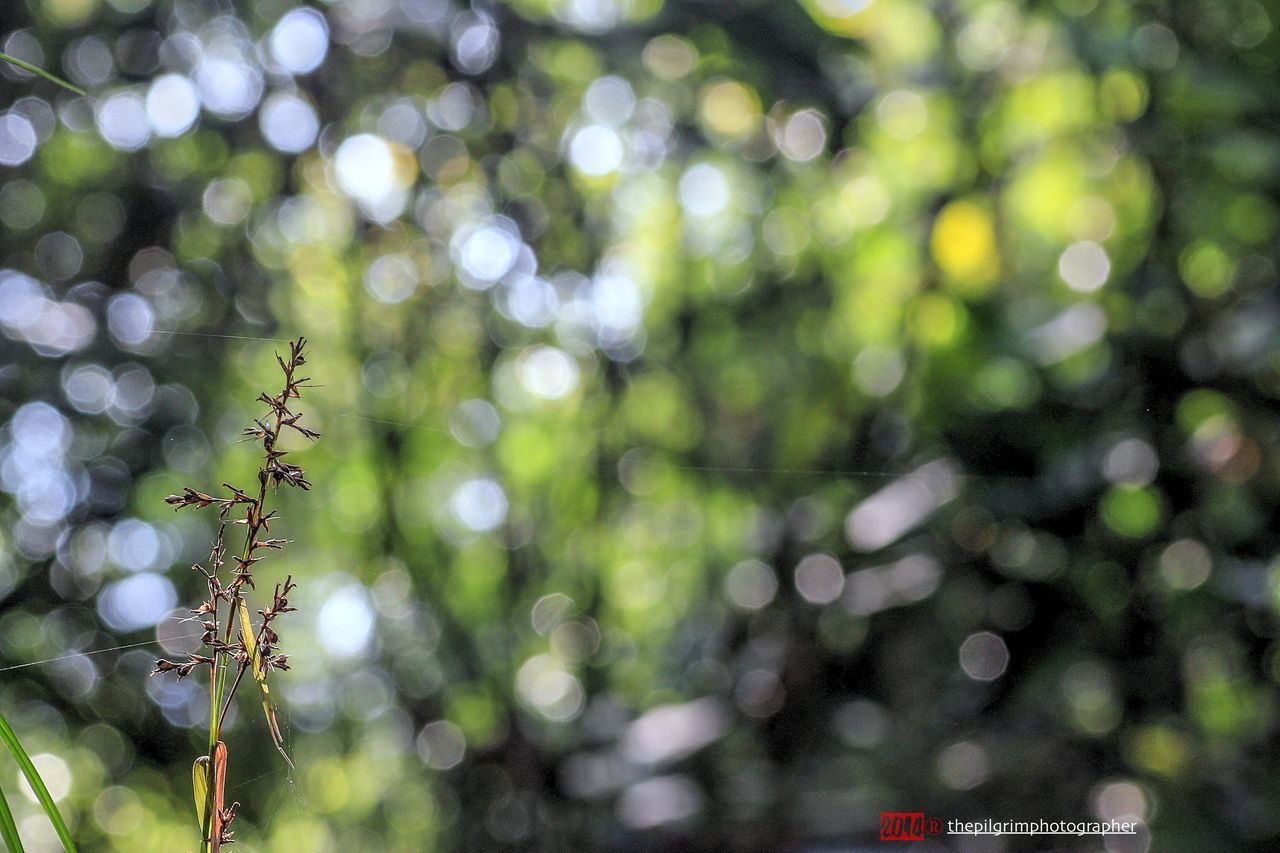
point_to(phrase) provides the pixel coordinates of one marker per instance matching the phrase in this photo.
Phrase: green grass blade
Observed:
(35, 69)
(37, 784)
(200, 786)
(9, 829)
(260, 675)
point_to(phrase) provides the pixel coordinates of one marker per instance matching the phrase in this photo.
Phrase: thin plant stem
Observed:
(235, 684)
(37, 70)
(207, 843)
(215, 726)
(207, 821)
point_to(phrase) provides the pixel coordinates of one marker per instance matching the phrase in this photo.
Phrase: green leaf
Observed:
(37, 784)
(260, 675)
(9, 829)
(34, 69)
(200, 785)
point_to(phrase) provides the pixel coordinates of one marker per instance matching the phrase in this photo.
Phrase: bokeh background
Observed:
(739, 418)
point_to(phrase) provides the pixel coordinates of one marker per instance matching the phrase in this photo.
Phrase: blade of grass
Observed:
(37, 784)
(200, 785)
(9, 829)
(35, 69)
(260, 675)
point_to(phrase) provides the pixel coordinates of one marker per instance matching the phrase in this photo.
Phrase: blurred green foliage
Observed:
(739, 419)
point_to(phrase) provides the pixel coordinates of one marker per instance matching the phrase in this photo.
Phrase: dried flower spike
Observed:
(236, 645)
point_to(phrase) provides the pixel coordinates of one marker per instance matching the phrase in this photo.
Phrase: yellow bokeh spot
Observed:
(1159, 750)
(328, 785)
(296, 834)
(528, 452)
(1122, 95)
(905, 31)
(69, 13)
(1206, 269)
(658, 411)
(964, 247)
(1040, 198)
(872, 315)
(729, 109)
(404, 163)
(900, 31)
(936, 320)
(638, 585)
(856, 204)
(1048, 106)
(853, 18)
